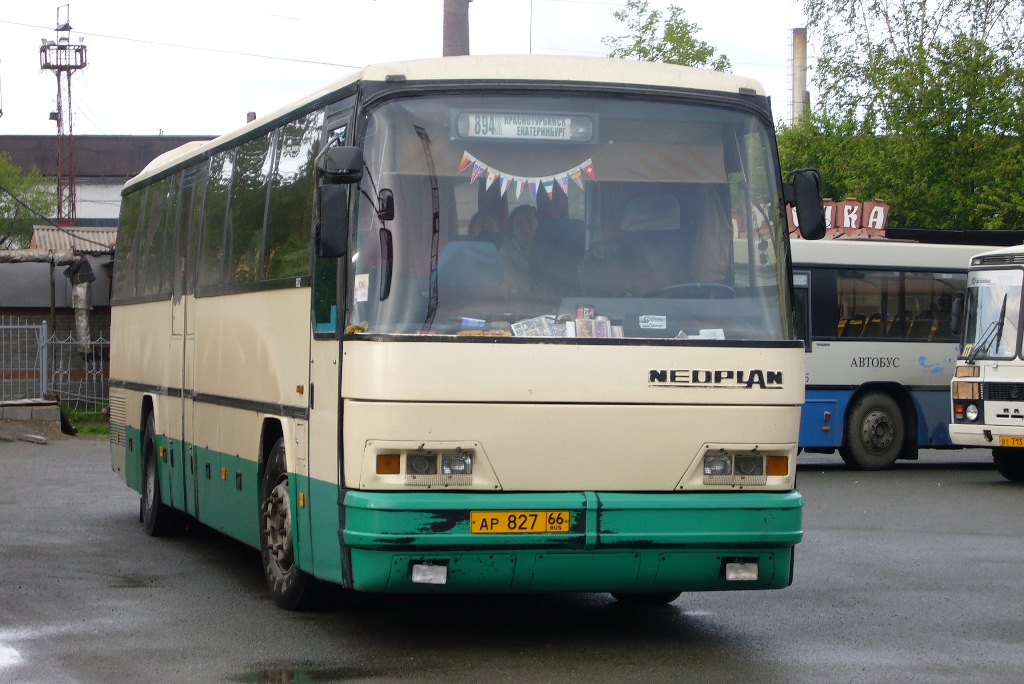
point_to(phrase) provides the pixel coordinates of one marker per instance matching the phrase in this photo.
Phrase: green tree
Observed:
(918, 104)
(25, 199)
(672, 40)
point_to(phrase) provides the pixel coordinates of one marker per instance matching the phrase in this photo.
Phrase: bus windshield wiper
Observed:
(994, 332)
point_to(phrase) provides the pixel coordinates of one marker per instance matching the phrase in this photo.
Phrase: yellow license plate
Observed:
(518, 522)
(1005, 441)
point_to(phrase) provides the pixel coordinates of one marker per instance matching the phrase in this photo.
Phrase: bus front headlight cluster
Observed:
(742, 468)
(966, 400)
(966, 411)
(429, 468)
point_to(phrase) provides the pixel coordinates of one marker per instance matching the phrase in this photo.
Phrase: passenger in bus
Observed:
(557, 250)
(484, 226)
(515, 254)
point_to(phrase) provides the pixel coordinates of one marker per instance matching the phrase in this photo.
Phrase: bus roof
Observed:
(880, 252)
(480, 69)
(1006, 252)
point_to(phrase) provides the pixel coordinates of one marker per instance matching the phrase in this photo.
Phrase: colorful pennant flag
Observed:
(547, 183)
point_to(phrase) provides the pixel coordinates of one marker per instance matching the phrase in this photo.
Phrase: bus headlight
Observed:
(428, 468)
(421, 464)
(971, 412)
(459, 463)
(749, 465)
(717, 465)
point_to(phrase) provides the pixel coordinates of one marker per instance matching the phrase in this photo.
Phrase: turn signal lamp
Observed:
(778, 466)
(967, 371)
(389, 464)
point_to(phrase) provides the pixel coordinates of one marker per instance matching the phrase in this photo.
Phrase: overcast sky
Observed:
(193, 67)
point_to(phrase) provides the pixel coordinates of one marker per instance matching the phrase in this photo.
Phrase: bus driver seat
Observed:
(470, 277)
(652, 236)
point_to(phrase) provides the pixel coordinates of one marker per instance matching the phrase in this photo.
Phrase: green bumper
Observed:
(616, 542)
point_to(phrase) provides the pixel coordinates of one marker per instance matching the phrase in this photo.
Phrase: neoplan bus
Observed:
(875, 317)
(988, 385)
(314, 353)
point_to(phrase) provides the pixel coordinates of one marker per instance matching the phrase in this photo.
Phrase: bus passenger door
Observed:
(184, 485)
(324, 379)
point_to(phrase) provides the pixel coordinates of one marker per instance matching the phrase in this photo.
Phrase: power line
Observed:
(190, 47)
(43, 218)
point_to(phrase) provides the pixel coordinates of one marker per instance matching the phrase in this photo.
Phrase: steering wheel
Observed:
(693, 291)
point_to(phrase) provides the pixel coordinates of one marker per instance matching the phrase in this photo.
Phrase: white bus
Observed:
(875, 318)
(988, 385)
(319, 347)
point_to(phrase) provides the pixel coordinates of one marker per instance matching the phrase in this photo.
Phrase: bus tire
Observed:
(291, 588)
(156, 517)
(1009, 463)
(653, 598)
(875, 431)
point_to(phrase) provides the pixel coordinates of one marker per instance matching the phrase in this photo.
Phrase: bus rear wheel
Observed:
(156, 517)
(874, 433)
(291, 588)
(1009, 463)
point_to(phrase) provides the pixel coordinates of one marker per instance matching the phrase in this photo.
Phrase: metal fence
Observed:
(35, 364)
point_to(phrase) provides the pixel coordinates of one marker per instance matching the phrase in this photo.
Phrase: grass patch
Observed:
(88, 423)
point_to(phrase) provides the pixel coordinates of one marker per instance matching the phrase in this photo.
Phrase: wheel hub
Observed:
(279, 525)
(878, 431)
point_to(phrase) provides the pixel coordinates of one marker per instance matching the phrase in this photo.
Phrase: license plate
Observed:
(1005, 441)
(518, 522)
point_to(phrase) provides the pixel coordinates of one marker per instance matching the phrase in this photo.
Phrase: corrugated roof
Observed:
(88, 240)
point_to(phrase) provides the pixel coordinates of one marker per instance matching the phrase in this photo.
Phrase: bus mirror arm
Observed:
(803, 191)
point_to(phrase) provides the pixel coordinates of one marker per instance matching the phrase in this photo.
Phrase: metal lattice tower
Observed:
(63, 59)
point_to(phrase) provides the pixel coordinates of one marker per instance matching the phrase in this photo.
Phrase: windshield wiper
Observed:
(993, 332)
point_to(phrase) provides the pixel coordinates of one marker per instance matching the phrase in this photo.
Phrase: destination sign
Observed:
(526, 126)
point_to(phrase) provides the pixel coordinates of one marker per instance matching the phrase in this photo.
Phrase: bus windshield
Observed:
(568, 216)
(992, 311)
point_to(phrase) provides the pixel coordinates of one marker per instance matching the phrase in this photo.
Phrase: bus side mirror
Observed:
(340, 164)
(337, 168)
(803, 191)
(956, 313)
(332, 221)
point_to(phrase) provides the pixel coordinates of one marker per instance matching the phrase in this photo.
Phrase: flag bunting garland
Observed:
(491, 175)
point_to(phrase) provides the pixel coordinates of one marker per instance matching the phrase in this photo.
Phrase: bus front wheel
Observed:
(290, 587)
(156, 517)
(1009, 463)
(874, 433)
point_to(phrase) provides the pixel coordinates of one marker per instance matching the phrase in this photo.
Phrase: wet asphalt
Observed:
(910, 575)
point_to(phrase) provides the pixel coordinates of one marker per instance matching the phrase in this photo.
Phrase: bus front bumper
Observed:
(619, 542)
(986, 436)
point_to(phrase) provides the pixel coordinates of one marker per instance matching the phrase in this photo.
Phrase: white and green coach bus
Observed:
(473, 324)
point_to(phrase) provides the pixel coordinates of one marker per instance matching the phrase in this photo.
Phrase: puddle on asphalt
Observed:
(310, 675)
(9, 657)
